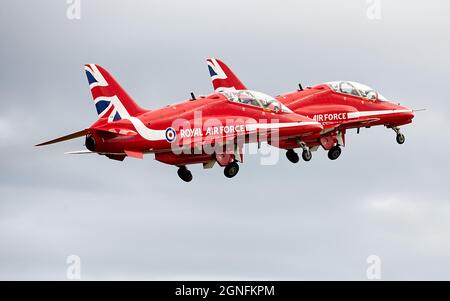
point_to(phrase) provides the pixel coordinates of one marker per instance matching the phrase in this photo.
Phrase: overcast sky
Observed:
(136, 219)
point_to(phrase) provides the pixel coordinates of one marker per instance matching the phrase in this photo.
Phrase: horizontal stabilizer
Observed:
(64, 138)
(81, 152)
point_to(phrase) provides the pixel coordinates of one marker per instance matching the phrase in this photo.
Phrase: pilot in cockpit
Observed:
(356, 89)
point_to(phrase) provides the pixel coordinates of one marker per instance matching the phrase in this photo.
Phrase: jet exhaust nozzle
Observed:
(90, 143)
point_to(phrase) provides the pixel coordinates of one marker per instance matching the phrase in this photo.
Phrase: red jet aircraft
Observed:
(338, 106)
(203, 130)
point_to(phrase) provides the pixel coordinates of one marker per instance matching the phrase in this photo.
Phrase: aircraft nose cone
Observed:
(300, 128)
(317, 127)
(408, 114)
(411, 115)
(404, 114)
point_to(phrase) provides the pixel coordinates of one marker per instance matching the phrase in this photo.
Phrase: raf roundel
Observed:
(170, 134)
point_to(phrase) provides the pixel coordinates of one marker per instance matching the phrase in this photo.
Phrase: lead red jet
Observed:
(203, 130)
(338, 106)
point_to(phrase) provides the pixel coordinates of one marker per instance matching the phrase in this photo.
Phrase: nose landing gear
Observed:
(184, 174)
(400, 137)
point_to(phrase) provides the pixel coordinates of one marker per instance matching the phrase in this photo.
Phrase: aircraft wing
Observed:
(357, 123)
(361, 122)
(198, 145)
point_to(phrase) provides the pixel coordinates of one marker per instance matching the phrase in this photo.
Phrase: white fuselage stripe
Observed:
(255, 126)
(157, 135)
(374, 113)
(145, 132)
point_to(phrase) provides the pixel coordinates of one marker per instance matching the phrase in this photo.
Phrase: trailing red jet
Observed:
(203, 130)
(338, 106)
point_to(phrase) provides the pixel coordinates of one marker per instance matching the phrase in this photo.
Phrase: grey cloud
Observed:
(136, 220)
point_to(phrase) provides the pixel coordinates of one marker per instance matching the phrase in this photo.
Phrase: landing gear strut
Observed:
(400, 137)
(306, 154)
(334, 152)
(292, 156)
(231, 170)
(184, 174)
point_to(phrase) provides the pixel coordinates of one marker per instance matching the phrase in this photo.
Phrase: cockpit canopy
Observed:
(256, 99)
(355, 89)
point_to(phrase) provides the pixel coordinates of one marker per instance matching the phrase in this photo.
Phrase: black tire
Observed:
(188, 176)
(307, 155)
(400, 138)
(292, 156)
(334, 152)
(184, 174)
(231, 170)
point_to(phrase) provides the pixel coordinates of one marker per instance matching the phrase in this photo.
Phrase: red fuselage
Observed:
(211, 120)
(339, 111)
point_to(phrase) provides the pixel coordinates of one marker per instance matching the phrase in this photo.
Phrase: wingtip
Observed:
(41, 144)
(80, 152)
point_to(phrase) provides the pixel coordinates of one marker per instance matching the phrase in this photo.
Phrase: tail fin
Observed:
(222, 77)
(111, 100)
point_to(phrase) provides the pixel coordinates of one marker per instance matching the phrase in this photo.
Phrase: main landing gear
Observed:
(184, 174)
(307, 155)
(400, 137)
(334, 152)
(231, 170)
(292, 156)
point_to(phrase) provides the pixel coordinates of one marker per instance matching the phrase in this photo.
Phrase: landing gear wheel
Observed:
(306, 155)
(184, 174)
(400, 138)
(292, 156)
(334, 152)
(231, 170)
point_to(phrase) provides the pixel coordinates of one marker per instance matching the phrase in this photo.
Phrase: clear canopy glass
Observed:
(257, 99)
(355, 89)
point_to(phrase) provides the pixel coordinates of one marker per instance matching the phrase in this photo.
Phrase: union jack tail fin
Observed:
(222, 77)
(111, 100)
